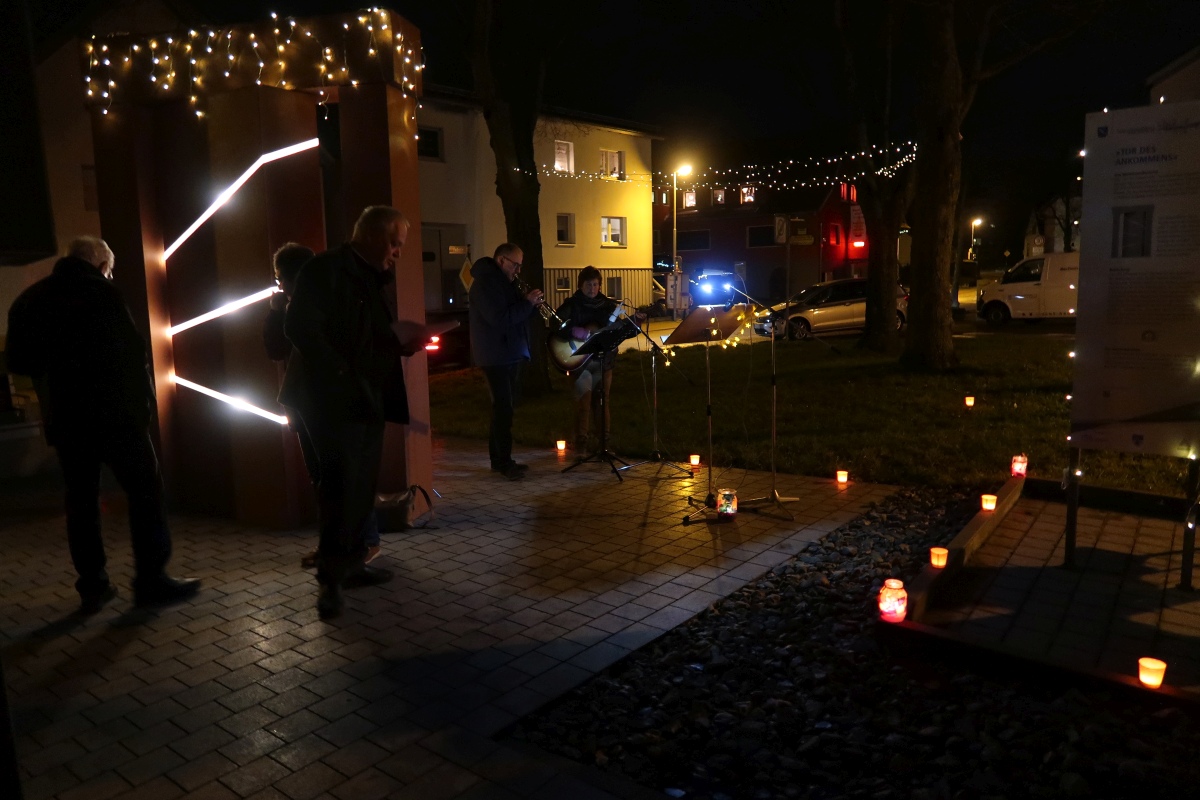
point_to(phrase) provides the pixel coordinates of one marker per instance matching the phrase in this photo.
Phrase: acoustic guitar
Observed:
(562, 350)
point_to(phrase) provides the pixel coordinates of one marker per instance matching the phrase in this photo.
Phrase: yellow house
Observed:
(595, 203)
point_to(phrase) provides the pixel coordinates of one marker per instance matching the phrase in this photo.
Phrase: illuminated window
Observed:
(662, 198)
(566, 229)
(564, 156)
(747, 194)
(612, 232)
(689, 199)
(612, 164)
(718, 197)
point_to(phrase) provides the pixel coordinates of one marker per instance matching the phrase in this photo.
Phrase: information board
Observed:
(1137, 352)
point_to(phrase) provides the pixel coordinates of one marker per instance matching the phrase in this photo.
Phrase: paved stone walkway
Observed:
(519, 592)
(1120, 603)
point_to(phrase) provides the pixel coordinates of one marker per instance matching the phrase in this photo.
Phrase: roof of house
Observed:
(462, 98)
(1175, 66)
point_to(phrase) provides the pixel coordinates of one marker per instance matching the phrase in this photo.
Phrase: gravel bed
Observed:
(783, 690)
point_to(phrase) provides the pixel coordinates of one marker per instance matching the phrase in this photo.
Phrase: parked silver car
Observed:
(823, 307)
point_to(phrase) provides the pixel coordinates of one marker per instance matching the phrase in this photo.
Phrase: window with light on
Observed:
(564, 156)
(612, 165)
(612, 232)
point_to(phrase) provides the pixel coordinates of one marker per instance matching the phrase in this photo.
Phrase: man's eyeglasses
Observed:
(516, 264)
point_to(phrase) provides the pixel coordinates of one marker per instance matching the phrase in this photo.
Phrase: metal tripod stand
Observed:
(657, 455)
(773, 499)
(707, 324)
(599, 345)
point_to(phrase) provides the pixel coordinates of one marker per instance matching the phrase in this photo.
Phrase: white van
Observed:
(1041, 287)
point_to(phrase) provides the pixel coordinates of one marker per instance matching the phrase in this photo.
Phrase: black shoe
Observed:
(92, 602)
(329, 601)
(514, 471)
(367, 576)
(164, 591)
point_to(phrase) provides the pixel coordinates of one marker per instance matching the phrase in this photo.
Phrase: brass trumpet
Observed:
(546, 311)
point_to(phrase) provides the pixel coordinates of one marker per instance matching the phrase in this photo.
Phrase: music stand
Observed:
(598, 345)
(707, 324)
(657, 455)
(772, 499)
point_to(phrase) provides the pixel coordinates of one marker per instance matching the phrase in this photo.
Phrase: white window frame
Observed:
(689, 198)
(606, 231)
(610, 161)
(718, 197)
(564, 156)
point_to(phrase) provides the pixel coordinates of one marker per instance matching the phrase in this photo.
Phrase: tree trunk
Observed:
(884, 202)
(939, 163)
(510, 90)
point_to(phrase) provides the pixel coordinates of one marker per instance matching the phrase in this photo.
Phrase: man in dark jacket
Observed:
(346, 380)
(73, 334)
(500, 344)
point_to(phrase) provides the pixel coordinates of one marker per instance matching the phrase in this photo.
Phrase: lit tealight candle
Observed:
(1151, 672)
(561, 444)
(970, 401)
(893, 601)
(938, 556)
(1020, 464)
(695, 459)
(988, 501)
(843, 477)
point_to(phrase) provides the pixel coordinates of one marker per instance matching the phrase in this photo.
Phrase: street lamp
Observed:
(975, 223)
(685, 170)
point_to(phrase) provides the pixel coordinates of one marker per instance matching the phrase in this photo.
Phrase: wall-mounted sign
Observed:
(1137, 375)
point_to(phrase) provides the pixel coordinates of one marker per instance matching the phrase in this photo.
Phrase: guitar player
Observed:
(584, 313)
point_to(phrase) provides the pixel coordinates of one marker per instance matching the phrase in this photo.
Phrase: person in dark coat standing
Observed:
(500, 344)
(288, 261)
(346, 379)
(73, 334)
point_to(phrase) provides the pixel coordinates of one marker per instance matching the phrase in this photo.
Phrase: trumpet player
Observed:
(500, 309)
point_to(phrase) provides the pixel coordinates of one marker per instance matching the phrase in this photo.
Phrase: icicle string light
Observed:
(285, 53)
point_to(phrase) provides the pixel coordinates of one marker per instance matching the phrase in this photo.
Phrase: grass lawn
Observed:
(849, 410)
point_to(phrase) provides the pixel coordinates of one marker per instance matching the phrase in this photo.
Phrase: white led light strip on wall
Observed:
(221, 200)
(236, 402)
(229, 192)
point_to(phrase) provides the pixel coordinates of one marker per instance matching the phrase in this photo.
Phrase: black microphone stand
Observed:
(657, 455)
(600, 344)
(772, 499)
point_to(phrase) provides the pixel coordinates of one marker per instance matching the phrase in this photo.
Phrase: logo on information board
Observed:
(1102, 131)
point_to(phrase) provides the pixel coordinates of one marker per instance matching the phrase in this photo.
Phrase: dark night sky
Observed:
(728, 83)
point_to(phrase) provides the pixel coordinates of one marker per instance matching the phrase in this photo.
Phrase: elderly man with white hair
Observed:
(73, 334)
